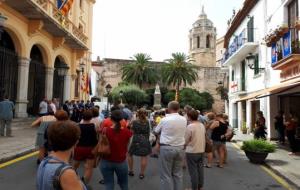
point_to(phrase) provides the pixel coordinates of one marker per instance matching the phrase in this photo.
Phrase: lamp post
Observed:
(108, 88)
(2, 21)
(121, 96)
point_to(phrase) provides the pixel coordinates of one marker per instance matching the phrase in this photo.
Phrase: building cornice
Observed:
(238, 19)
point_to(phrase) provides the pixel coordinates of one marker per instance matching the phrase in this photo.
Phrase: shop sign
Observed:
(290, 72)
(286, 45)
(274, 53)
(234, 86)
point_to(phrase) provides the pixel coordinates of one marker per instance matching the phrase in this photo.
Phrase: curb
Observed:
(19, 154)
(292, 185)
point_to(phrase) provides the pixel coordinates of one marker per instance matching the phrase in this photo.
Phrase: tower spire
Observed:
(202, 12)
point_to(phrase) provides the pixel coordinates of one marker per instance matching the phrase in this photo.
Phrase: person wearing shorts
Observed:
(87, 142)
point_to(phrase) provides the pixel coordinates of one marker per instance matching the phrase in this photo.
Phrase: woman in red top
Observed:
(118, 138)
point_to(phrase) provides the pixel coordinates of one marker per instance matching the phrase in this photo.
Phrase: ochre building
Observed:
(44, 51)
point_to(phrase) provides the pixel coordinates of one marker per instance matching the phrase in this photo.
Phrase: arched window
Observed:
(207, 41)
(198, 41)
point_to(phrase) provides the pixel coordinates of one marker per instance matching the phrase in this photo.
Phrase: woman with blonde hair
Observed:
(140, 145)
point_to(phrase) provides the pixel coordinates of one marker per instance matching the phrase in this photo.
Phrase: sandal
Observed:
(219, 166)
(130, 173)
(141, 176)
(207, 166)
(101, 181)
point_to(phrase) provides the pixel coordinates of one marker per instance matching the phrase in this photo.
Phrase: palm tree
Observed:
(140, 71)
(179, 70)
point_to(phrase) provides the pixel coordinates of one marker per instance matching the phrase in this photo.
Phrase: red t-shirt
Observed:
(108, 123)
(118, 142)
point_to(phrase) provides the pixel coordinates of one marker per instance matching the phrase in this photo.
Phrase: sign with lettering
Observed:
(234, 86)
(286, 44)
(290, 72)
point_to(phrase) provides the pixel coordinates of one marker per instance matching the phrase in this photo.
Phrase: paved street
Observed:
(239, 174)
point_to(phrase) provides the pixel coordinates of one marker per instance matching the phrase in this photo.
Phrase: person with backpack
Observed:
(55, 172)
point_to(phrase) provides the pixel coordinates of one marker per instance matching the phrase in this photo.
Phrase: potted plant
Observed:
(257, 150)
(244, 128)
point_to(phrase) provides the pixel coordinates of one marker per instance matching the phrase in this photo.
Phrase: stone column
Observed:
(67, 87)
(49, 83)
(21, 102)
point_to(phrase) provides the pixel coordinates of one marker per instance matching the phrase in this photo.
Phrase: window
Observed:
(80, 4)
(207, 41)
(256, 65)
(243, 76)
(191, 43)
(198, 41)
(232, 75)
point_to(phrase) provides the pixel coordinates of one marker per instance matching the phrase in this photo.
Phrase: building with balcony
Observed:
(44, 51)
(262, 48)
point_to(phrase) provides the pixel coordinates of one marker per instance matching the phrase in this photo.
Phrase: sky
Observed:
(122, 28)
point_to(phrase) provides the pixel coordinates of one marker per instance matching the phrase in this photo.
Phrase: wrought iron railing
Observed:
(50, 9)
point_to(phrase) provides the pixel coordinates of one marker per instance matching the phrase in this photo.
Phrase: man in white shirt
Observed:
(172, 130)
(43, 107)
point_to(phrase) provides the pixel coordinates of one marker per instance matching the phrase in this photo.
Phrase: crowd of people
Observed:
(177, 138)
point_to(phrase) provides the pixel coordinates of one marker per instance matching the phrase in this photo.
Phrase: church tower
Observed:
(202, 41)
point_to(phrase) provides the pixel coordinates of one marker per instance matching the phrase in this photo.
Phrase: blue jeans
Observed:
(108, 170)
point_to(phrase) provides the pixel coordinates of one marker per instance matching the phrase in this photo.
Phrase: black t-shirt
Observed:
(88, 136)
(219, 131)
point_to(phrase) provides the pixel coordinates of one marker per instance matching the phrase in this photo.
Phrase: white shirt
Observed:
(195, 138)
(172, 129)
(53, 107)
(43, 107)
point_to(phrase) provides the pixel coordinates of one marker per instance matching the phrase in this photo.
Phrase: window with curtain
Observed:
(292, 17)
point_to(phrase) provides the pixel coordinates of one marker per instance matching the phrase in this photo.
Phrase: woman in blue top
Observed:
(55, 171)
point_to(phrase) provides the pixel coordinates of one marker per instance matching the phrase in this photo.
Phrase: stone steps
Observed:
(20, 123)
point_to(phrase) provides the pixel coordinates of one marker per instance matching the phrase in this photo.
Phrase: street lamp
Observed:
(250, 58)
(121, 95)
(62, 69)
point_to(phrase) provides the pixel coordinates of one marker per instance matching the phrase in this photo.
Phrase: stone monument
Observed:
(157, 97)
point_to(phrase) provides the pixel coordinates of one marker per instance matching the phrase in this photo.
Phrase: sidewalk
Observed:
(285, 165)
(21, 143)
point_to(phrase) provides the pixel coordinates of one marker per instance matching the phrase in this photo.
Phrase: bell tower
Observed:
(202, 41)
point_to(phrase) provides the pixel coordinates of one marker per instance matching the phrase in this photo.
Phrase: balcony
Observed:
(242, 45)
(53, 21)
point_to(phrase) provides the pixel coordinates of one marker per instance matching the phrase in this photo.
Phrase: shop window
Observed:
(256, 65)
(198, 41)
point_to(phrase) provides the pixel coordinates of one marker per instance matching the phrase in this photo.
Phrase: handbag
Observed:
(102, 148)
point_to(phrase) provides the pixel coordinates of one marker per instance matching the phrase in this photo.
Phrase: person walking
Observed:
(291, 126)
(87, 142)
(6, 116)
(43, 107)
(55, 172)
(219, 130)
(42, 123)
(209, 143)
(194, 148)
(260, 126)
(140, 144)
(280, 127)
(118, 138)
(172, 131)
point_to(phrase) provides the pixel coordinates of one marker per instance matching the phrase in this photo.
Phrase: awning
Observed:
(288, 85)
(252, 95)
(278, 89)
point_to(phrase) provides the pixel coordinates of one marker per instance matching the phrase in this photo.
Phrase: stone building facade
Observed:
(202, 39)
(43, 51)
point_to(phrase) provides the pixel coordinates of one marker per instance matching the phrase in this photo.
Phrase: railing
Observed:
(285, 46)
(50, 9)
(247, 35)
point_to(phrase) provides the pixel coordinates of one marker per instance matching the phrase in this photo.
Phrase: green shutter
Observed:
(256, 65)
